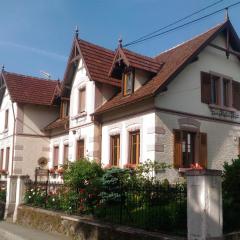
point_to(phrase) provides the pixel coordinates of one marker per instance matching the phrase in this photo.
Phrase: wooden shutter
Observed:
(205, 87)
(82, 96)
(134, 140)
(1, 158)
(65, 153)
(203, 150)
(55, 156)
(7, 158)
(177, 148)
(115, 150)
(80, 149)
(236, 94)
(6, 119)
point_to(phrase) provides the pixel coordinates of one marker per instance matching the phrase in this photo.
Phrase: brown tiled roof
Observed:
(60, 122)
(98, 61)
(142, 62)
(27, 89)
(174, 60)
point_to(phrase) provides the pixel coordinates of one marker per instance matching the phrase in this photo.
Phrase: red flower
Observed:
(52, 170)
(130, 166)
(3, 172)
(82, 190)
(60, 170)
(196, 166)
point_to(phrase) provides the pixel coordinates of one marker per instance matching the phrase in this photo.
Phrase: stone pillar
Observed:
(20, 193)
(204, 204)
(15, 194)
(10, 196)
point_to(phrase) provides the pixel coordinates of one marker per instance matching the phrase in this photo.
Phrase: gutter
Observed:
(14, 134)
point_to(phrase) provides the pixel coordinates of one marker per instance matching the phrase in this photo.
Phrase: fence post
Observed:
(10, 196)
(20, 192)
(204, 204)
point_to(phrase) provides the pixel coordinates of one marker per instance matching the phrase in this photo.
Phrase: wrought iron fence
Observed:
(156, 207)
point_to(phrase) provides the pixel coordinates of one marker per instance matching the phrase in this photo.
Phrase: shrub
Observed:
(3, 195)
(113, 180)
(35, 197)
(231, 196)
(80, 173)
(84, 177)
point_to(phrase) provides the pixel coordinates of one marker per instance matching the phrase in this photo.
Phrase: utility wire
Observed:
(177, 21)
(183, 25)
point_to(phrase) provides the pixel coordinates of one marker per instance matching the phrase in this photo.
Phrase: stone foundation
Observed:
(82, 228)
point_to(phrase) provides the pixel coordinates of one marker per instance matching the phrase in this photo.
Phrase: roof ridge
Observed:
(24, 75)
(189, 40)
(96, 45)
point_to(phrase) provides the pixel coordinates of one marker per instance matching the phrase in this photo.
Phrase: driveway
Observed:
(10, 231)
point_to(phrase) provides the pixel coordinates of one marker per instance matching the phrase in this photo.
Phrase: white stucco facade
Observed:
(178, 107)
(145, 123)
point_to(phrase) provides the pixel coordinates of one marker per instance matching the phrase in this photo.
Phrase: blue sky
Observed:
(37, 35)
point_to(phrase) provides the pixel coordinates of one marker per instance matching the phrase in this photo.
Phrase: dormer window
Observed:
(64, 108)
(128, 81)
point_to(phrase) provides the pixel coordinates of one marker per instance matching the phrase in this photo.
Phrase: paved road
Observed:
(10, 231)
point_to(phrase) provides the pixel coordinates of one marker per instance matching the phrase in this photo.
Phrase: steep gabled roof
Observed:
(27, 89)
(174, 61)
(135, 60)
(98, 61)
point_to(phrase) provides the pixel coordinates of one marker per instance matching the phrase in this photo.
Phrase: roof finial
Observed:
(120, 42)
(226, 14)
(76, 32)
(3, 68)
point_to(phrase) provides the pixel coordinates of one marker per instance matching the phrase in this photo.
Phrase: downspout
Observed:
(14, 134)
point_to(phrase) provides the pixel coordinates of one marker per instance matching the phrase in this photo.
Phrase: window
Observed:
(134, 144)
(7, 158)
(80, 149)
(6, 119)
(128, 78)
(65, 153)
(189, 148)
(55, 156)
(1, 158)
(64, 109)
(215, 87)
(81, 99)
(220, 91)
(115, 150)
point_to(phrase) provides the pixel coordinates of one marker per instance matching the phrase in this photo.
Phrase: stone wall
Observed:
(82, 228)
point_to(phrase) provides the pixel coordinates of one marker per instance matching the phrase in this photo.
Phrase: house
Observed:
(119, 107)
(27, 105)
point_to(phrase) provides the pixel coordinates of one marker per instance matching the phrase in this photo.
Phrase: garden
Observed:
(128, 196)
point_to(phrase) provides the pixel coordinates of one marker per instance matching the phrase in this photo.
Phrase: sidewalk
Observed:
(10, 231)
